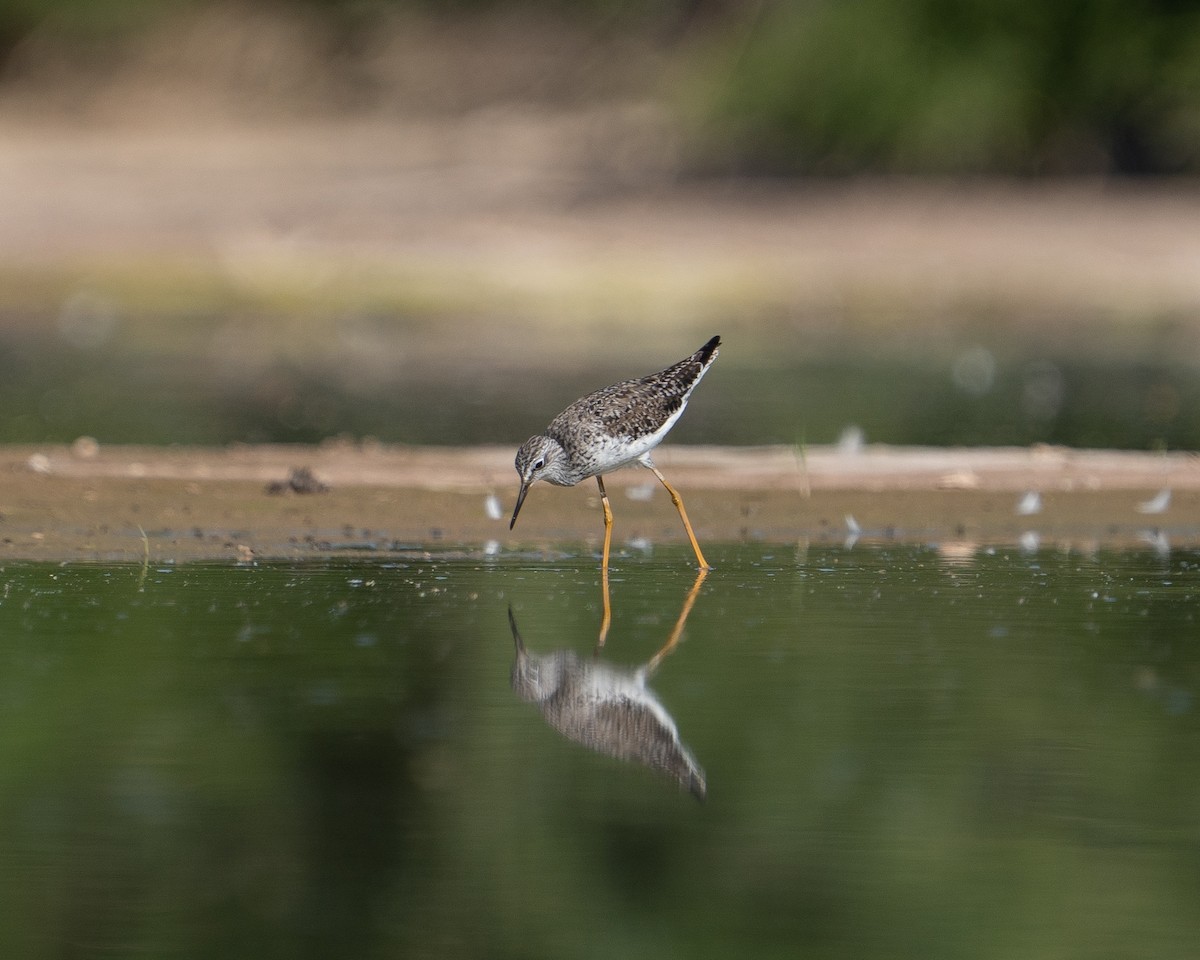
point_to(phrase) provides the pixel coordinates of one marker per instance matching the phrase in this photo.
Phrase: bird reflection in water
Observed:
(610, 709)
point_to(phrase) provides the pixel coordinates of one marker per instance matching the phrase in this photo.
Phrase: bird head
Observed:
(538, 458)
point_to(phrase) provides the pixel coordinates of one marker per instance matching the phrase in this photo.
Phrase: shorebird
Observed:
(612, 428)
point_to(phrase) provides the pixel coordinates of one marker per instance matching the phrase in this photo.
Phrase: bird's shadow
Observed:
(610, 709)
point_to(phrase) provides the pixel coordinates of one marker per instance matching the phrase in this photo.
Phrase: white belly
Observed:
(621, 451)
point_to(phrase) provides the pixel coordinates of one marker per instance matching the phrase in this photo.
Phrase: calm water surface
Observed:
(902, 756)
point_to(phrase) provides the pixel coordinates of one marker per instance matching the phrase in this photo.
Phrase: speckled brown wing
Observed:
(636, 408)
(628, 728)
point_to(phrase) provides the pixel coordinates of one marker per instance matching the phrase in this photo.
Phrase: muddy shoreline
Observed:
(88, 502)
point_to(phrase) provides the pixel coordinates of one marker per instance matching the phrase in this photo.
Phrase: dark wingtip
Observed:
(706, 351)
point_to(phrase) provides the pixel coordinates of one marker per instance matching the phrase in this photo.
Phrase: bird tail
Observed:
(708, 351)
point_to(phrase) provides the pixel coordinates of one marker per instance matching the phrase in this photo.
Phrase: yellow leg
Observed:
(678, 501)
(608, 525)
(688, 602)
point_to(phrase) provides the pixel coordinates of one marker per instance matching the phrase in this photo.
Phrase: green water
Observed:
(905, 757)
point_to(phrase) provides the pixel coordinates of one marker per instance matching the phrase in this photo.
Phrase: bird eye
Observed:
(539, 463)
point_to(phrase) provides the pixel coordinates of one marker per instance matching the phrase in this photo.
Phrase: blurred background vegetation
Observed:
(995, 86)
(290, 219)
(785, 87)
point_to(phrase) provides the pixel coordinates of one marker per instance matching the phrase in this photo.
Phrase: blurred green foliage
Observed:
(850, 86)
(95, 18)
(961, 86)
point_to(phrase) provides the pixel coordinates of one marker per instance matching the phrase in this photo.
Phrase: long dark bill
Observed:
(517, 509)
(512, 623)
